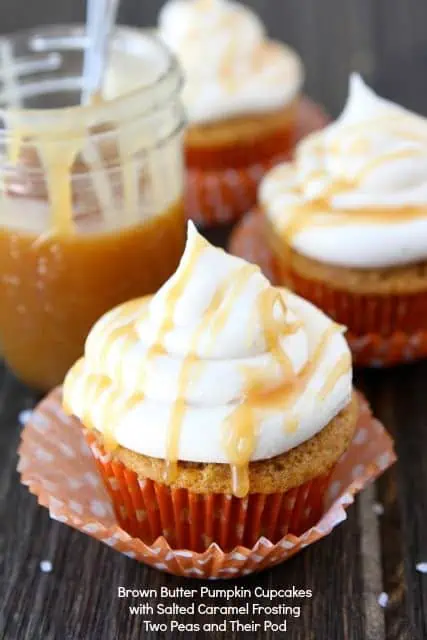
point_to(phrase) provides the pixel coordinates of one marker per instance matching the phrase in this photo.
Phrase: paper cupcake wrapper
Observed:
(382, 331)
(219, 195)
(271, 145)
(57, 466)
(188, 520)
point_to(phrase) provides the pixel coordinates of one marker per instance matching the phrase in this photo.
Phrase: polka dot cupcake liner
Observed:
(382, 330)
(221, 194)
(58, 467)
(148, 510)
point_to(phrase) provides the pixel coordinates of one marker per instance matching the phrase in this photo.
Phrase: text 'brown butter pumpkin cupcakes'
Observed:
(348, 225)
(217, 409)
(240, 93)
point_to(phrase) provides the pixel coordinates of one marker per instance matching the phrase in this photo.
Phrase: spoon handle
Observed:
(101, 17)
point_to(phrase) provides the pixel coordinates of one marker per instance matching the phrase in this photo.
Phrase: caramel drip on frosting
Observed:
(319, 351)
(124, 332)
(240, 281)
(238, 441)
(375, 163)
(285, 396)
(158, 349)
(95, 386)
(317, 211)
(274, 329)
(172, 299)
(217, 315)
(239, 434)
(378, 122)
(317, 214)
(187, 375)
(340, 369)
(227, 73)
(291, 424)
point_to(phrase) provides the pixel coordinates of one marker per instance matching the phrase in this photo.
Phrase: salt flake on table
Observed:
(46, 566)
(383, 599)
(378, 508)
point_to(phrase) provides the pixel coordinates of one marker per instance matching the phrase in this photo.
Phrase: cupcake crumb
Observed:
(46, 566)
(383, 599)
(24, 416)
(378, 508)
(421, 567)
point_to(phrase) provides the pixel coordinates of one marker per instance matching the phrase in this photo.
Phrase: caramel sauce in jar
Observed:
(91, 208)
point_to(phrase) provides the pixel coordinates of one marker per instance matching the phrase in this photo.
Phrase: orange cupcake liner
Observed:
(382, 330)
(280, 143)
(58, 467)
(148, 509)
(222, 187)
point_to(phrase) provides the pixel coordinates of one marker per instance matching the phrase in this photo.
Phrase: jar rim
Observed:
(91, 114)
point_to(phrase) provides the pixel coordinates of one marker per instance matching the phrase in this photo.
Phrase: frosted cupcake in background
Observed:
(240, 93)
(348, 225)
(216, 409)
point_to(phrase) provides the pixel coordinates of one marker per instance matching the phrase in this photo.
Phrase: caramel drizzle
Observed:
(342, 367)
(217, 314)
(227, 73)
(274, 329)
(284, 397)
(113, 406)
(95, 386)
(157, 349)
(239, 432)
(399, 154)
(378, 122)
(318, 213)
(186, 375)
(239, 282)
(123, 321)
(291, 424)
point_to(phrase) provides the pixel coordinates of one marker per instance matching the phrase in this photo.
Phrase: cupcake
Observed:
(216, 409)
(240, 94)
(347, 223)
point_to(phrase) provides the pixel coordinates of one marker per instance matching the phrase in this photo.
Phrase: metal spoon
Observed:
(101, 17)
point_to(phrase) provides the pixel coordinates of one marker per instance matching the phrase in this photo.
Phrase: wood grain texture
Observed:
(386, 39)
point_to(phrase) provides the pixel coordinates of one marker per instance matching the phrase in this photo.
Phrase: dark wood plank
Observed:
(399, 400)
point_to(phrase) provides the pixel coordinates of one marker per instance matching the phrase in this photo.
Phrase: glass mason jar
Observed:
(91, 197)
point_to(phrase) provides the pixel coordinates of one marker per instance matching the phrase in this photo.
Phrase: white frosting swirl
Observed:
(216, 343)
(231, 67)
(360, 186)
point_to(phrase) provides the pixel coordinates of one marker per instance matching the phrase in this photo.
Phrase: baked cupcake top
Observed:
(231, 67)
(218, 366)
(356, 194)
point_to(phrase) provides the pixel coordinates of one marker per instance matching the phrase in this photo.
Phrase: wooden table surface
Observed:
(368, 554)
